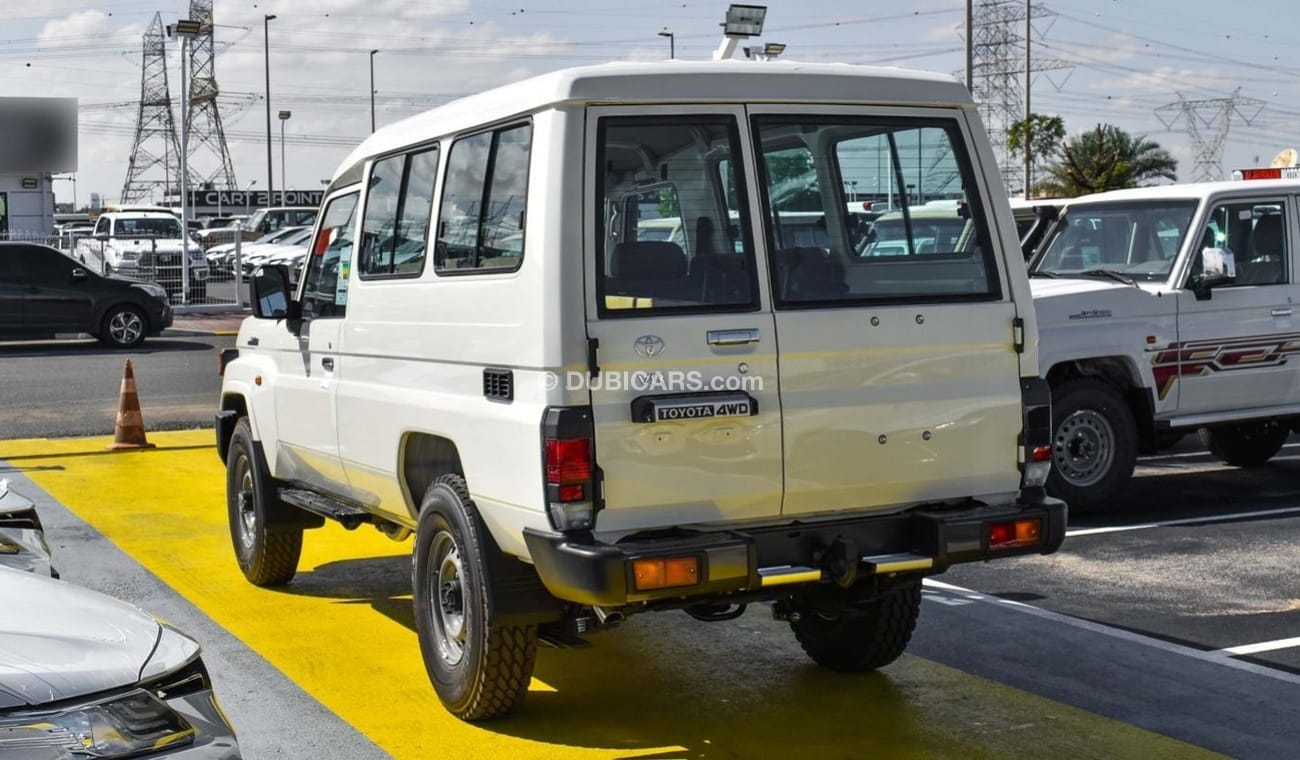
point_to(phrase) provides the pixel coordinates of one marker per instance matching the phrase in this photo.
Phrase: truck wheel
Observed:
(1246, 444)
(1094, 442)
(872, 636)
(124, 326)
(266, 557)
(479, 670)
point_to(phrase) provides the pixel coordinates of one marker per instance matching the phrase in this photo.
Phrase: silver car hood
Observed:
(59, 641)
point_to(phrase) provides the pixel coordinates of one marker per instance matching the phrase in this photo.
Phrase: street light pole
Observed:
(372, 90)
(185, 151)
(284, 175)
(672, 43)
(266, 46)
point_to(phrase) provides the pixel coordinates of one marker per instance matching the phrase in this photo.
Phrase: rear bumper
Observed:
(922, 541)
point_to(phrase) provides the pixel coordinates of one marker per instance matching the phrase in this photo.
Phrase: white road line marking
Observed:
(1264, 646)
(1184, 521)
(1216, 658)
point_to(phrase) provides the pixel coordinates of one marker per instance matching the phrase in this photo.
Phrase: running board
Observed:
(877, 564)
(348, 515)
(1250, 415)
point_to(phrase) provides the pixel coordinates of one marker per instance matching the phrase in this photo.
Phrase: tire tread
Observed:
(860, 644)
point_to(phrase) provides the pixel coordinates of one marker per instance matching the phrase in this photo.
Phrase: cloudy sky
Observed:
(1119, 60)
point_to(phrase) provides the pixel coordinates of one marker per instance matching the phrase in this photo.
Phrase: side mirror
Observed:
(100, 236)
(1218, 267)
(269, 288)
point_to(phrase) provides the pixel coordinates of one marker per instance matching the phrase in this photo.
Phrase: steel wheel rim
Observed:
(1084, 448)
(447, 598)
(247, 521)
(125, 327)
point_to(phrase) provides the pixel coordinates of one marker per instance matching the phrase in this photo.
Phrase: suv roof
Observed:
(687, 80)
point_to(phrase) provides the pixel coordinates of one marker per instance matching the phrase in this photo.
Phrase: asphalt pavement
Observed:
(1122, 645)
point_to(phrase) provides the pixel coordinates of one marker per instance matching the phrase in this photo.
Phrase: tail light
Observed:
(1036, 437)
(569, 468)
(1015, 535)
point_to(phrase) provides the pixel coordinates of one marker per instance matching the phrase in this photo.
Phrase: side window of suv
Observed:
(481, 219)
(1255, 232)
(325, 283)
(394, 230)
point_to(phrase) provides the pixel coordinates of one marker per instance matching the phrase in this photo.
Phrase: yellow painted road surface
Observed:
(659, 687)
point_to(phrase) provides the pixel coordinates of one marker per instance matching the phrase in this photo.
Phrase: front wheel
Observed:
(124, 326)
(479, 670)
(266, 556)
(1094, 442)
(1245, 444)
(869, 636)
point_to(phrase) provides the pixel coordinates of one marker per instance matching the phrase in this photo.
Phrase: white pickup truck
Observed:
(147, 245)
(1164, 310)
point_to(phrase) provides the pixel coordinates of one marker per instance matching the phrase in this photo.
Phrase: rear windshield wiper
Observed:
(1109, 274)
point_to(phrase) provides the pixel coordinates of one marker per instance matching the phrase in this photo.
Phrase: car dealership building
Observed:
(38, 137)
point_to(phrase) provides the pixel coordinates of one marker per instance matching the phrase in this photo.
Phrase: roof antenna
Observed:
(742, 21)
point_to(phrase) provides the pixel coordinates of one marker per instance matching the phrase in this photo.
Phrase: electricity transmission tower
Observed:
(206, 135)
(155, 132)
(1207, 123)
(999, 45)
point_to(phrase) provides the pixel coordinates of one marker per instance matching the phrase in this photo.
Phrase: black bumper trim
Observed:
(579, 569)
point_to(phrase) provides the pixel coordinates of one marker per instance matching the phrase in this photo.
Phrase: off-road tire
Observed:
(123, 326)
(876, 635)
(490, 675)
(266, 556)
(1094, 442)
(1245, 444)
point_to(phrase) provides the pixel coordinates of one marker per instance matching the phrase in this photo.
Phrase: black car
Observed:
(44, 292)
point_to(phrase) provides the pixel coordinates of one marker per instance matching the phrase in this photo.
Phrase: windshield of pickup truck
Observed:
(1137, 239)
(162, 227)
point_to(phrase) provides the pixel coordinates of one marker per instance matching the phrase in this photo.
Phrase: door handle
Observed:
(733, 337)
(328, 363)
(1282, 312)
(253, 341)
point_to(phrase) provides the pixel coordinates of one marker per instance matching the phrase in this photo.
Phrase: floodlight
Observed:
(744, 20)
(773, 49)
(188, 28)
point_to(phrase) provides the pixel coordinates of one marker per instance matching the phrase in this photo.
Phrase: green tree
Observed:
(1035, 139)
(1106, 158)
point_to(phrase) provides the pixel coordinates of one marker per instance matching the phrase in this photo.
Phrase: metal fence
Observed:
(213, 280)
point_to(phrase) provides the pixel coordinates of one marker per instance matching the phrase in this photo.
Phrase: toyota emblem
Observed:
(649, 345)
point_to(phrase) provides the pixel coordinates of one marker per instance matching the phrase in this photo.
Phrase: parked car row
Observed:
(88, 676)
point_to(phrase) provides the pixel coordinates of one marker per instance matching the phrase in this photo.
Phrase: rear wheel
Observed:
(869, 635)
(124, 326)
(1094, 442)
(479, 670)
(267, 556)
(1246, 444)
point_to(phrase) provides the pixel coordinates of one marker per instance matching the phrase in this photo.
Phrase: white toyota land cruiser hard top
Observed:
(1167, 309)
(581, 418)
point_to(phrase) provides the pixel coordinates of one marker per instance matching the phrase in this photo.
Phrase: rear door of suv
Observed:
(686, 404)
(899, 378)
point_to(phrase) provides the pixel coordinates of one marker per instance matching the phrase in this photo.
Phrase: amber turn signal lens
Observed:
(656, 573)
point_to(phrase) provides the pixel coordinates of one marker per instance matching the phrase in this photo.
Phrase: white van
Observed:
(580, 420)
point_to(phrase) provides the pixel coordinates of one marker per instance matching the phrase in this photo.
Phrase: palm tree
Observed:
(1106, 158)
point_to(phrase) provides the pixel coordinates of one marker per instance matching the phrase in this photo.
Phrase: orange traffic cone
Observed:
(128, 433)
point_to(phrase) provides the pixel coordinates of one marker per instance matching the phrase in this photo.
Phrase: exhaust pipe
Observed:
(607, 617)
